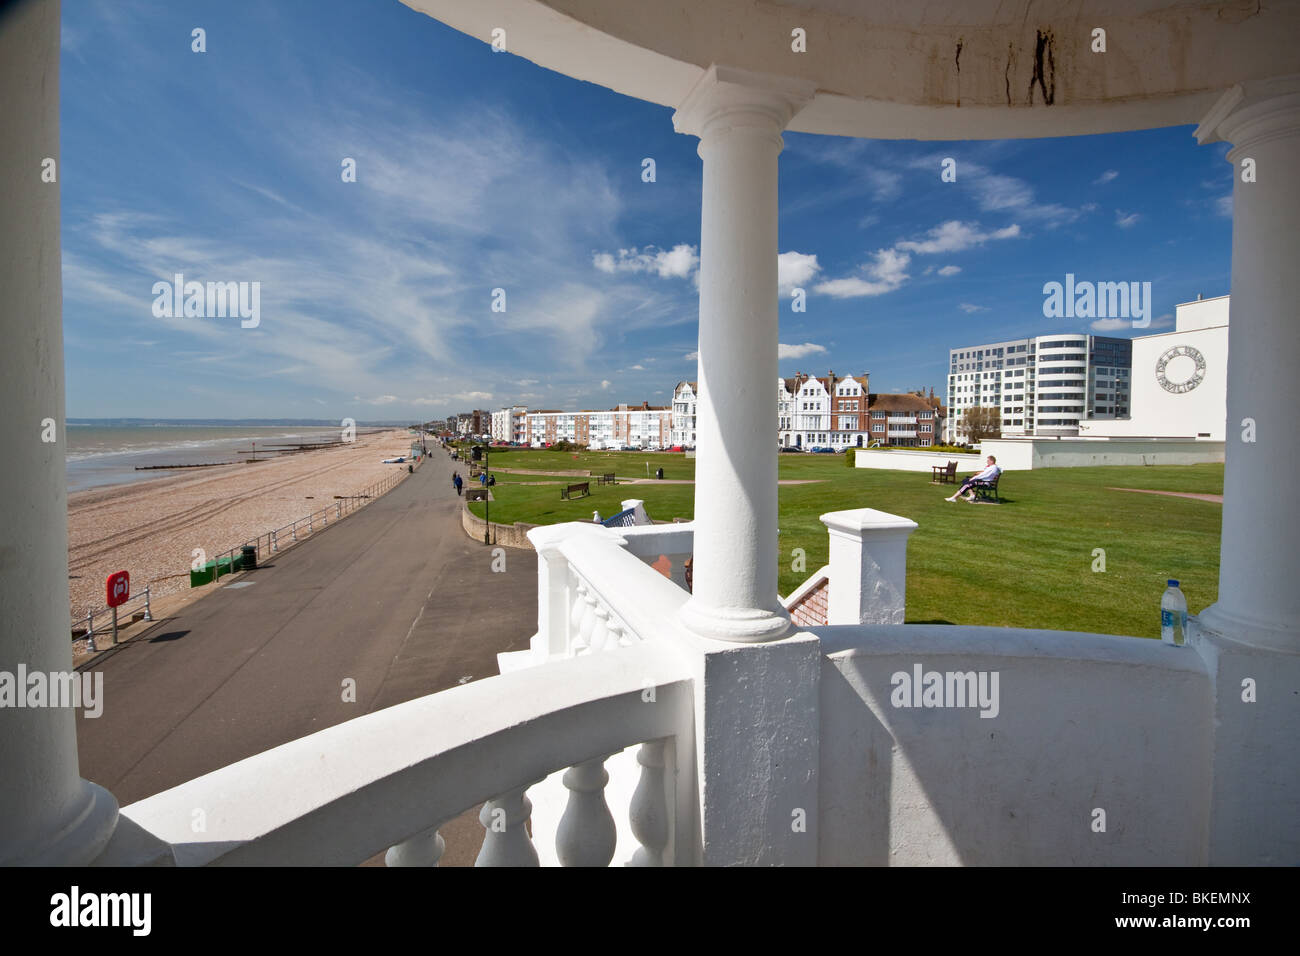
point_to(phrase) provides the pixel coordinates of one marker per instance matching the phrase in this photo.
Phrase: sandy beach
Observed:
(151, 528)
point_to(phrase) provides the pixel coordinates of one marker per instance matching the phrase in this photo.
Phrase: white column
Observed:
(1250, 637)
(738, 117)
(868, 562)
(1258, 597)
(48, 814)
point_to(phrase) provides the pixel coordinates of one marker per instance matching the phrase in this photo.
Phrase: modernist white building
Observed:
(1180, 379)
(1045, 385)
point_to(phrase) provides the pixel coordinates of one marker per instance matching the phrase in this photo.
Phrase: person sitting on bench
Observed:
(984, 478)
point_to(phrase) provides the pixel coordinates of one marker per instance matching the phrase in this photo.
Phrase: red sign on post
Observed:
(119, 588)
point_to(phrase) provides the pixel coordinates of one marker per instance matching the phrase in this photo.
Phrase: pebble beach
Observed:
(151, 528)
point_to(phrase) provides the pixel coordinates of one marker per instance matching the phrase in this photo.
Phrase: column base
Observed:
(83, 837)
(1253, 633)
(737, 625)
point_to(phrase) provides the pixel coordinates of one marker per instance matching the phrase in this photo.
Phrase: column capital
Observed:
(1254, 112)
(727, 98)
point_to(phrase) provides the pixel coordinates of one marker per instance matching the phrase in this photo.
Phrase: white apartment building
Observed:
(1042, 386)
(685, 399)
(508, 423)
(1180, 379)
(640, 427)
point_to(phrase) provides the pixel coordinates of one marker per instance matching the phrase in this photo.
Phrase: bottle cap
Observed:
(1173, 582)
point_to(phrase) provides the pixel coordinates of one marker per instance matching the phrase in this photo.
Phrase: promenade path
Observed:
(395, 597)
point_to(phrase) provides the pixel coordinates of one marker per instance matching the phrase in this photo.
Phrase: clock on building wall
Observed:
(1180, 369)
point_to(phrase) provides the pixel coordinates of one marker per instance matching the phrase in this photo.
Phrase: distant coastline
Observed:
(110, 451)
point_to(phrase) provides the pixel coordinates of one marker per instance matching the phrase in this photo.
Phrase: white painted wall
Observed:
(1155, 411)
(1024, 454)
(915, 460)
(1085, 721)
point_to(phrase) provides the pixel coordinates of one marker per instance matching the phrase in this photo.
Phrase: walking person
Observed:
(455, 480)
(984, 478)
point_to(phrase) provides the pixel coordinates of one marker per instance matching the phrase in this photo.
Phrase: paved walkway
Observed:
(395, 598)
(1174, 494)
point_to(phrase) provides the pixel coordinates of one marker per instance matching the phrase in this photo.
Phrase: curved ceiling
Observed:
(918, 69)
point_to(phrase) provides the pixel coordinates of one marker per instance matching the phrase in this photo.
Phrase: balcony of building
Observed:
(651, 724)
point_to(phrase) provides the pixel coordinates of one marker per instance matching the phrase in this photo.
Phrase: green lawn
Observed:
(1025, 563)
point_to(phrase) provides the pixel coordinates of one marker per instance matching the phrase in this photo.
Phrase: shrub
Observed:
(850, 454)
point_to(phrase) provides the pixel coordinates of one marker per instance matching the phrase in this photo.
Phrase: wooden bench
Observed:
(607, 480)
(988, 492)
(942, 474)
(580, 490)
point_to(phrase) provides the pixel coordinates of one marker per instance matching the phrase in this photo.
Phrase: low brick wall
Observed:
(507, 535)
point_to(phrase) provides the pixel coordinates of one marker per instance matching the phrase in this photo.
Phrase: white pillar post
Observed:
(868, 562)
(1250, 637)
(738, 117)
(48, 814)
(1258, 597)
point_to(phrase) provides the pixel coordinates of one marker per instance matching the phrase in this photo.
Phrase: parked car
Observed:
(791, 448)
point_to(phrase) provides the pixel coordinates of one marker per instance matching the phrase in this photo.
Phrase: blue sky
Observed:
(478, 170)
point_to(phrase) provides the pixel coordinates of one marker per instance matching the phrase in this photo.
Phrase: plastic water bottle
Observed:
(1173, 616)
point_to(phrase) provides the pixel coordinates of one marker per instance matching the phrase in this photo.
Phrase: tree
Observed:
(979, 423)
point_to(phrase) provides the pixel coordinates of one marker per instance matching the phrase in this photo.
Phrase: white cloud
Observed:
(969, 307)
(1223, 206)
(954, 236)
(1115, 325)
(795, 270)
(382, 400)
(884, 274)
(605, 383)
(636, 368)
(1111, 325)
(798, 351)
(692, 356)
(1105, 177)
(1126, 221)
(526, 381)
(678, 262)
(949, 270)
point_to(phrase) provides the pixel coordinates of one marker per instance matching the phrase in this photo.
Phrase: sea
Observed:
(109, 451)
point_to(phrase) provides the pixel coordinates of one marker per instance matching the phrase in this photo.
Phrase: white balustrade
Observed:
(506, 842)
(587, 835)
(423, 849)
(649, 811)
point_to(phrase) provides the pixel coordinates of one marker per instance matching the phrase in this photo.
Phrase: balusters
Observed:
(649, 810)
(506, 842)
(576, 615)
(600, 629)
(423, 849)
(586, 835)
(618, 635)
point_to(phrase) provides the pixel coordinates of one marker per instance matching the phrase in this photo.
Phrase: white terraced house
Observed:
(685, 399)
(731, 719)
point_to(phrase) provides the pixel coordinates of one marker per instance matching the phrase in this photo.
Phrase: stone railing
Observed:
(388, 780)
(586, 574)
